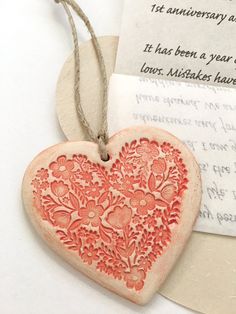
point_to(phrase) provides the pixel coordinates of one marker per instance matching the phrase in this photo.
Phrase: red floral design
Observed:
(162, 234)
(36, 183)
(61, 218)
(145, 264)
(168, 192)
(44, 185)
(90, 255)
(135, 278)
(150, 221)
(128, 182)
(143, 202)
(42, 174)
(93, 190)
(148, 150)
(159, 166)
(59, 189)
(86, 176)
(91, 214)
(166, 147)
(62, 167)
(119, 219)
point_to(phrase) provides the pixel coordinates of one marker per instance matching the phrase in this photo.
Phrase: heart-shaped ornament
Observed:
(123, 222)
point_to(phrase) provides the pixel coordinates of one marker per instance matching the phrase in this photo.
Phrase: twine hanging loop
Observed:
(101, 138)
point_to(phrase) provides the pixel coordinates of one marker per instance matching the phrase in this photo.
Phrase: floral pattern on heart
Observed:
(119, 220)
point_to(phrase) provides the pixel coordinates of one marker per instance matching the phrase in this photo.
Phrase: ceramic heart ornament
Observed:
(123, 222)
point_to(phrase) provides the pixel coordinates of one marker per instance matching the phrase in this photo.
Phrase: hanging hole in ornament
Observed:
(102, 148)
(105, 158)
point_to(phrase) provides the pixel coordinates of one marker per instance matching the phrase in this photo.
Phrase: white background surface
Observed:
(34, 43)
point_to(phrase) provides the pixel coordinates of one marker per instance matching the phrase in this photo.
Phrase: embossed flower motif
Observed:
(118, 272)
(145, 263)
(44, 185)
(36, 183)
(137, 219)
(62, 168)
(86, 176)
(86, 166)
(159, 166)
(147, 150)
(61, 218)
(128, 167)
(166, 147)
(168, 192)
(59, 188)
(92, 237)
(176, 152)
(119, 217)
(162, 235)
(150, 221)
(143, 202)
(90, 255)
(135, 278)
(127, 183)
(91, 214)
(113, 177)
(93, 190)
(101, 266)
(42, 174)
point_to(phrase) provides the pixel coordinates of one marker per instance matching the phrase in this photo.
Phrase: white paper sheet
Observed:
(204, 117)
(186, 40)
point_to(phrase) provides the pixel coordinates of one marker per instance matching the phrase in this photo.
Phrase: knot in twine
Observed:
(100, 138)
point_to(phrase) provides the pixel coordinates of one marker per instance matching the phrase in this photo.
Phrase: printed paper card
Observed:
(186, 40)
